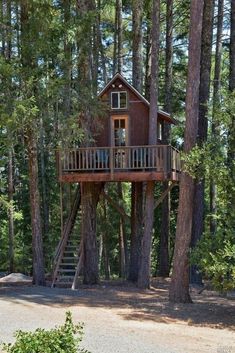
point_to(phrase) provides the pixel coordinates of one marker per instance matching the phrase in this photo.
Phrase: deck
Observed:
(124, 163)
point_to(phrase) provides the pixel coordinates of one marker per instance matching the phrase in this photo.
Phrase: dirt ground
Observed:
(119, 318)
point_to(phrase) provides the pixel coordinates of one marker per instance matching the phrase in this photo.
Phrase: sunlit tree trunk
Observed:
(164, 266)
(137, 187)
(231, 133)
(145, 258)
(204, 93)
(216, 103)
(179, 288)
(31, 140)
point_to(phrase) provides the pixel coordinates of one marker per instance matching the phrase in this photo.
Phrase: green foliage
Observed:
(62, 339)
(215, 256)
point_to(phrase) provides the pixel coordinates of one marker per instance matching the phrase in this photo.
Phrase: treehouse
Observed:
(122, 152)
(119, 152)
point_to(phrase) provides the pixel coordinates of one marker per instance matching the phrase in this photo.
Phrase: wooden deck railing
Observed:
(159, 158)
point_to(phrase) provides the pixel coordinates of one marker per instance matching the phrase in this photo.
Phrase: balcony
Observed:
(122, 163)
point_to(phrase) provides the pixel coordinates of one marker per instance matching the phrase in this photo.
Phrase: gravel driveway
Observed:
(115, 321)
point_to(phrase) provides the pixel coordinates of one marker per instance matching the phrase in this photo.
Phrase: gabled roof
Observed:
(138, 94)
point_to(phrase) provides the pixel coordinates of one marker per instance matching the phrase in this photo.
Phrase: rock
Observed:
(16, 279)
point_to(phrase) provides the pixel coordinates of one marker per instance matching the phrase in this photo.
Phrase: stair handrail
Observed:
(66, 232)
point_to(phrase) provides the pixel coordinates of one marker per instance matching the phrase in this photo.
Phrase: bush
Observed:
(215, 257)
(62, 339)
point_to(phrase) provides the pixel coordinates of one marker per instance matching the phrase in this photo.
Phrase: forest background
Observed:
(42, 93)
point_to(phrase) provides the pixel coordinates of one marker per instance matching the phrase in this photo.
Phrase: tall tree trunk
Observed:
(100, 45)
(90, 198)
(231, 134)
(137, 68)
(147, 76)
(164, 266)
(44, 191)
(7, 54)
(123, 251)
(204, 94)
(3, 32)
(38, 258)
(31, 140)
(67, 64)
(216, 103)
(90, 191)
(145, 258)
(119, 36)
(179, 289)
(136, 229)
(105, 242)
(137, 187)
(115, 42)
(11, 209)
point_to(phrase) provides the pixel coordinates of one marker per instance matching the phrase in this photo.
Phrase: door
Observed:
(119, 140)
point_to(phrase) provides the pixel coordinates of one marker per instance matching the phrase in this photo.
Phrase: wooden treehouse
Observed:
(121, 153)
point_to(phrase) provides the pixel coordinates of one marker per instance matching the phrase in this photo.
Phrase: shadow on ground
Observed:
(208, 309)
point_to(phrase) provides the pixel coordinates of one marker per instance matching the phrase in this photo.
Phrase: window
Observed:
(159, 130)
(119, 100)
(120, 132)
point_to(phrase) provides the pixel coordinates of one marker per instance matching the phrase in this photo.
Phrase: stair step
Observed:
(68, 264)
(70, 251)
(65, 278)
(70, 258)
(66, 270)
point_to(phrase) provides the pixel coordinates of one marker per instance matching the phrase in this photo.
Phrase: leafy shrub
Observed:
(62, 339)
(215, 256)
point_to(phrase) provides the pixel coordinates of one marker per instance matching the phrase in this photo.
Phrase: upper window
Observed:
(119, 100)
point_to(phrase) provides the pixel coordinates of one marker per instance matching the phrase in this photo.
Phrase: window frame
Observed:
(121, 117)
(119, 94)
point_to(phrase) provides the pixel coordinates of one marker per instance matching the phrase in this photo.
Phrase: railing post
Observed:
(170, 165)
(165, 161)
(111, 162)
(60, 156)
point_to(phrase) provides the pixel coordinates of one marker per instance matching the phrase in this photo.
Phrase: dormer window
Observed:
(119, 100)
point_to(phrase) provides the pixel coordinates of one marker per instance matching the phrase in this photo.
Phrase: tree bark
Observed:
(145, 258)
(153, 109)
(137, 187)
(31, 140)
(105, 242)
(67, 64)
(119, 36)
(136, 230)
(232, 48)
(11, 228)
(44, 191)
(216, 102)
(231, 133)
(164, 266)
(147, 78)
(179, 288)
(90, 198)
(101, 48)
(38, 258)
(137, 68)
(123, 251)
(146, 244)
(204, 94)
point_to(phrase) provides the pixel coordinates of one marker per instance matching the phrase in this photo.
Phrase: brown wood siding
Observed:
(137, 111)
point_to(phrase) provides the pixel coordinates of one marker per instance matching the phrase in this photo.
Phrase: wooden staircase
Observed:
(67, 252)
